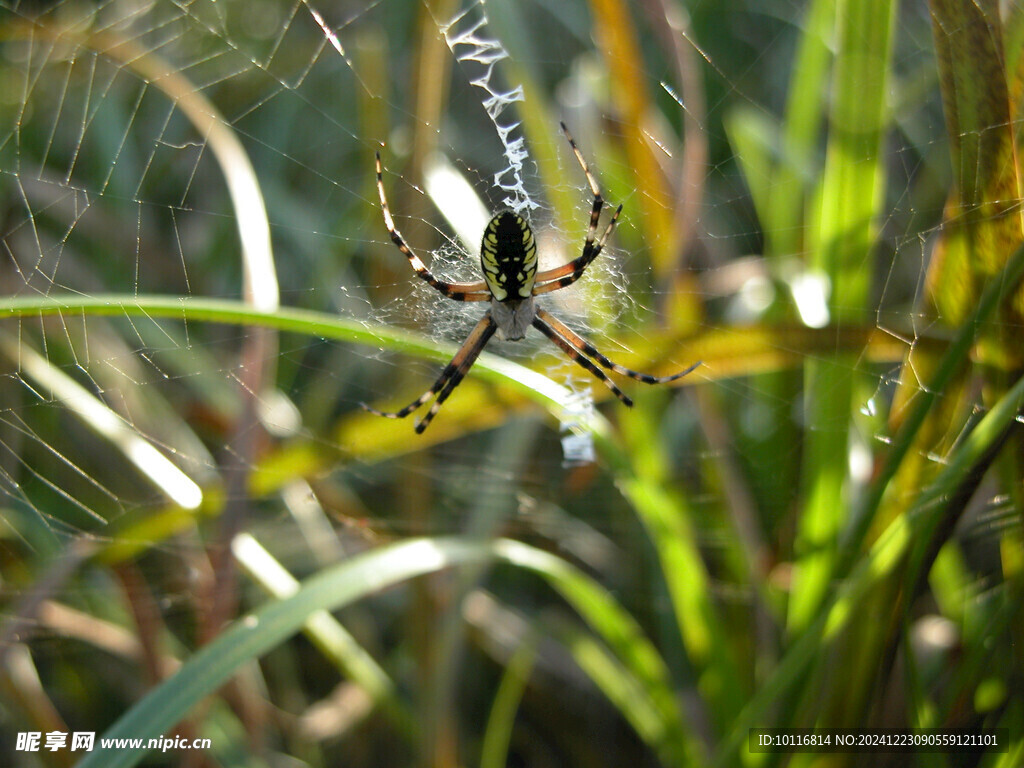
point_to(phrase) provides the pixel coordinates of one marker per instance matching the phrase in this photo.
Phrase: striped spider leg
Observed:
(450, 377)
(560, 277)
(580, 351)
(456, 291)
(508, 260)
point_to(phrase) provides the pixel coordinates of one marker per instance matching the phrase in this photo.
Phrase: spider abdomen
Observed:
(508, 257)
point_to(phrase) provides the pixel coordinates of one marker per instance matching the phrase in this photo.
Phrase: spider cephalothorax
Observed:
(508, 259)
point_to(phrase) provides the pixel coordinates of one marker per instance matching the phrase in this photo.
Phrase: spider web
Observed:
(92, 138)
(112, 187)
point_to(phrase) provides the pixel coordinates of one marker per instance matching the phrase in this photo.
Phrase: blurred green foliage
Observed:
(821, 528)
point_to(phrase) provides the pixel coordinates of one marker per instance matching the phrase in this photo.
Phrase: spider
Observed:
(508, 258)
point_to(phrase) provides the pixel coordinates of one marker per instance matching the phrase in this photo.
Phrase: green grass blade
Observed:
(805, 109)
(364, 575)
(619, 631)
(888, 552)
(498, 735)
(641, 475)
(851, 199)
(984, 219)
(956, 356)
(626, 692)
(326, 632)
(488, 366)
(255, 634)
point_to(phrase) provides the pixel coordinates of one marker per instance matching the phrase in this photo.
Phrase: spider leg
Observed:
(585, 347)
(576, 357)
(595, 211)
(456, 291)
(450, 377)
(559, 277)
(459, 374)
(553, 279)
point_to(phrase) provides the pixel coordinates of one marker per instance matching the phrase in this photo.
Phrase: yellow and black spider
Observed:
(508, 257)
